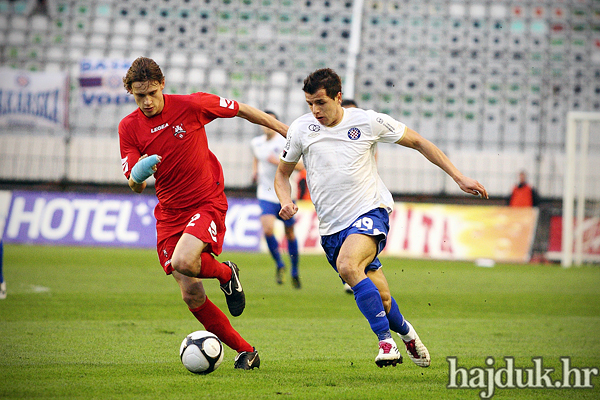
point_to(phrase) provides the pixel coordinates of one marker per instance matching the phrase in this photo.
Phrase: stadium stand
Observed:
(489, 81)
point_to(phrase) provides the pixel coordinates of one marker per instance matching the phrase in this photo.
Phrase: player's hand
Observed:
(473, 187)
(288, 211)
(145, 167)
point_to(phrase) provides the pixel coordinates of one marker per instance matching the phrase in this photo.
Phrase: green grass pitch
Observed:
(92, 323)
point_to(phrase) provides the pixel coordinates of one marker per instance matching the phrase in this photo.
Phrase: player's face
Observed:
(149, 97)
(326, 110)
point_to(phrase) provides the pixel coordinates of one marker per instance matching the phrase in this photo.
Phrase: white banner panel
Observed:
(34, 98)
(101, 82)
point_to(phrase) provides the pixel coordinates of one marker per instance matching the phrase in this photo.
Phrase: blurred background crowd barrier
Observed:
(490, 82)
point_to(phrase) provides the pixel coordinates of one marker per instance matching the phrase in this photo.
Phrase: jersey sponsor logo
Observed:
(159, 128)
(314, 130)
(179, 131)
(226, 103)
(385, 124)
(354, 133)
(125, 164)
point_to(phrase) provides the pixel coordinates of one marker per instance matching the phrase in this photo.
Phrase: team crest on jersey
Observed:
(178, 131)
(354, 133)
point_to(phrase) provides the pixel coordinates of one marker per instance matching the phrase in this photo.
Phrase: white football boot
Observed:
(416, 350)
(388, 354)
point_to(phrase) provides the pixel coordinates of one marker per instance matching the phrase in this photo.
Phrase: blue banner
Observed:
(108, 220)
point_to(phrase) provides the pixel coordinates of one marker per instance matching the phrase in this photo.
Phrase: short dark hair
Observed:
(271, 113)
(349, 102)
(143, 69)
(324, 78)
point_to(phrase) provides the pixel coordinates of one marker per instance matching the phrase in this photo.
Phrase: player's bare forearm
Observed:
(283, 189)
(259, 117)
(436, 156)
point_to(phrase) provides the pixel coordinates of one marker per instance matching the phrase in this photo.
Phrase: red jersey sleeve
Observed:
(213, 107)
(129, 150)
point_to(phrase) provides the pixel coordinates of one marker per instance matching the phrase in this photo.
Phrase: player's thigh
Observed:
(186, 256)
(355, 254)
(192, 289)
(378, 278)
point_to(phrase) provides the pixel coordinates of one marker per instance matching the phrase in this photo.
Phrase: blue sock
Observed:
(274, 249)
(293, 250)
(397, 322)
(369, 303)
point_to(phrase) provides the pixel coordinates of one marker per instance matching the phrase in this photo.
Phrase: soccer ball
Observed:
(201, 352)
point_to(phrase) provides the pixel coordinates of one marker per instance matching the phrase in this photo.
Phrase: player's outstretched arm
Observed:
(415, 141)
(283, 189)
(259, 117)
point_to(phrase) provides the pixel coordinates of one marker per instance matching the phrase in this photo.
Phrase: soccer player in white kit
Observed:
(266, 149)
(351, 201)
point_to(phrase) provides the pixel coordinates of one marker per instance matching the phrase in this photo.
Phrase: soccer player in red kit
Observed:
(165, 136)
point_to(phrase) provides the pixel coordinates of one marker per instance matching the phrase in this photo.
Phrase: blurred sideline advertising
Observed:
(590, 240)
(450, 232)
(34, 99)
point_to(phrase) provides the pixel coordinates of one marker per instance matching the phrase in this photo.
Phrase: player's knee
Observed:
(346, 270)
(185, 265)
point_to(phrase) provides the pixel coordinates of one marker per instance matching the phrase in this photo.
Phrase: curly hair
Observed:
(143, 69)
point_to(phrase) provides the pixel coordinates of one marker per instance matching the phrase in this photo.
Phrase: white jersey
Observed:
(263, 149)
(340, 164)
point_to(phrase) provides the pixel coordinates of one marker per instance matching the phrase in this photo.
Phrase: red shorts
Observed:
(205, 222)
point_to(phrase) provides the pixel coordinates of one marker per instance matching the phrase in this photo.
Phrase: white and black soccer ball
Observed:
(201, 352)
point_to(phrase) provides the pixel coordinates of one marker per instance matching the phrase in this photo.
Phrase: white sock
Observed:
(412, 334)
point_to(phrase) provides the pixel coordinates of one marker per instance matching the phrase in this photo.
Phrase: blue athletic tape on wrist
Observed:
(143, 169)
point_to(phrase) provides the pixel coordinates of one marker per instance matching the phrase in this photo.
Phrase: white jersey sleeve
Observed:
(386, 128)
(292, 151)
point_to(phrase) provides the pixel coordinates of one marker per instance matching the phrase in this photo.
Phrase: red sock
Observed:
(211, 268)
(215, 321)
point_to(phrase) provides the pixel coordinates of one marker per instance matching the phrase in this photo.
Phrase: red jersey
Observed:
(189, 173)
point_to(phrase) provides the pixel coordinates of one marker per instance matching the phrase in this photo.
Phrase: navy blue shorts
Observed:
(373, 223)
(267, 207)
